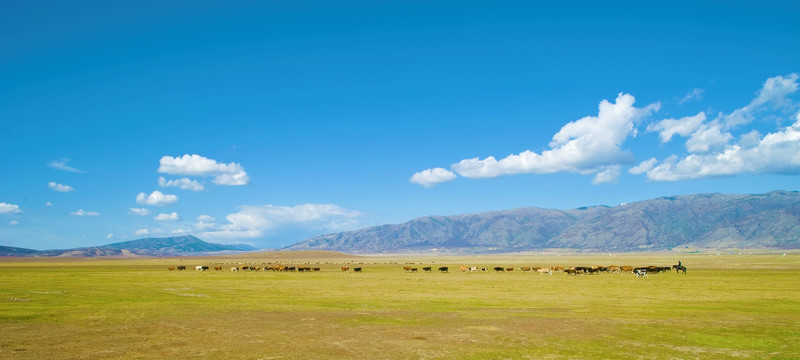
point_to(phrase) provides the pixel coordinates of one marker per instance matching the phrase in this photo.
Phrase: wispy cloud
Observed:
(694, 95)
(139, 211)
(256, 221)
(81, 212)
(62, 165)
(183, 183)
(167, 217)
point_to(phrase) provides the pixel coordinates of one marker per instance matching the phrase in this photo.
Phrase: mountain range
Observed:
(701, 221)
(170, 246)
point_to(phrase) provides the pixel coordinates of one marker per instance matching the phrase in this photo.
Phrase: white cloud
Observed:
(167, 217)
(256, 221)
(205, 222)
(142, 232)
(712, 148)
(179, 231)
(80, 212)
(48, 204)
(59, 187)
(110, 236)
(183, 183)
(431, 177)
(643, 167)
(773, 94)
(694, 95)
(684, 126)
(62, 165)
(6, 208)
(608, 175)
(139, 211)
(708, 137)
(586, 146)
(13, 222)
(156, 198)
(224, 174)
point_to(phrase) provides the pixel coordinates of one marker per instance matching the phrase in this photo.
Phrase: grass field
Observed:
(726, 306)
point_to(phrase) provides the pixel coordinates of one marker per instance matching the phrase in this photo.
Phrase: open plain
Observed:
(729, 305)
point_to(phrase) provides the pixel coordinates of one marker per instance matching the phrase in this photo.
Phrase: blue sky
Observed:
(270, 122)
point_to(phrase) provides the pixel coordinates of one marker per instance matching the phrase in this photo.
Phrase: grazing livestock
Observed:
(407, 268)
(171, 268)
(181, 268)
(543, 271)
(443, 269)
(234, 269)
(640, 272)
(217, 268)
(345, 269)
(358, 269)
(626, 268)
(510, 269)
(427, 269)
(499, 269)
(474, 269)
(463, 269)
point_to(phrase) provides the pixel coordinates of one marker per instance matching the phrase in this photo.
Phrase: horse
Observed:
(679, 268)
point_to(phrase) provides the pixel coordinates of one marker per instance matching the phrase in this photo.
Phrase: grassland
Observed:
(726, 306)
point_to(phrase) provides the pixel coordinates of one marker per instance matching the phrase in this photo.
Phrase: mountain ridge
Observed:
(770, 220)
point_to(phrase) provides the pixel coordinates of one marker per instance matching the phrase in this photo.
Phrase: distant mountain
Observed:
(713, 221)
(170, 246)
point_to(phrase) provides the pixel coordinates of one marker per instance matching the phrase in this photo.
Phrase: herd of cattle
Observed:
(640, 272)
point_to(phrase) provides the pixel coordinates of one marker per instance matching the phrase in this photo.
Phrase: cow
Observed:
(358, 269)
(543, 271)
(181, 268)
(510, 269)
(571, 271)
(474, 269)
(345, 269)
(443, 269)
(198, 268)
(427, 269)
(626, 268)
(171, 268)
(407, 268)
(499, 269)
(217, 268)
(525, 268)
(234, 269)
(463, 269)
(640, 272)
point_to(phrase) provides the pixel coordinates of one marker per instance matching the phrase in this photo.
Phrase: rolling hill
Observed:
(770, 220)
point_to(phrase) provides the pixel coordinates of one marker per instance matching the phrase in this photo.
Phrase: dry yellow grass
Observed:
(727, 306)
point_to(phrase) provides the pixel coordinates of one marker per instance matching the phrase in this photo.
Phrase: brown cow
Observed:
(171, 268)
(218, 268)
(346, 268)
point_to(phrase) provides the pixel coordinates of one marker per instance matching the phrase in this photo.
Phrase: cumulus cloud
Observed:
(183, 183)
(714, 151)
(167, 217)
(590, 145)
(62, 165)
(685, 126)
(156, 198)
(608, 175)
(59, 187)
(224, 174)
(6, 208)
(431, 177)
(142, 232)
(81, 212)
(257, 221)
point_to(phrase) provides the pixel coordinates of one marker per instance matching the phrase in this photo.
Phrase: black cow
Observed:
(358, 269)
(443, 269)
(499, 269)
(181, 267)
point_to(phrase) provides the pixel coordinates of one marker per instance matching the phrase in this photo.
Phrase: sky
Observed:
(269, 122)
